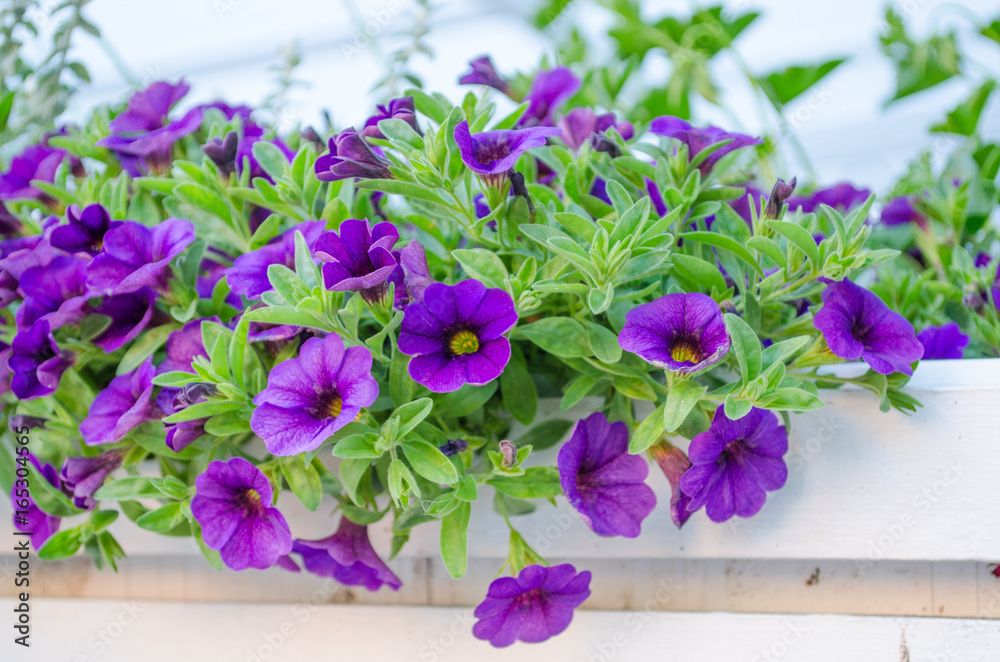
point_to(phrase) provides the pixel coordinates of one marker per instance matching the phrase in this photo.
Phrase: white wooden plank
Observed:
(128, 631)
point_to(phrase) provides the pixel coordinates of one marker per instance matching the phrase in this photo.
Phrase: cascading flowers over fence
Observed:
(200, 314)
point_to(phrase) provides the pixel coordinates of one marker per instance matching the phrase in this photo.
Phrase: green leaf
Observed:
(282, 315)
(303, 479)
(361, 516)
(430, 462)
(203, 410)
(768, 247)
(578, 389)
(356, 446)
(175, 379)
(270, 157)
(144, 347)
(520, 397)
(563, 336)
(965, 118)
(790, 399)
(131, 488)
(61, 545)
(603, 342)
(465, 400)
(735, 408)
(411, 414)
(534, 483)
(483, 265)
(780, 351)
(681, 399)
(351, 472)
(746, 346)
(698, 273)
(578, 225)
(203, 198)
(783, 86)
(799, 236)
(454, 539)
(162, 519)
(405, 189)
(724, 242)
(6, 103)
(400, 383)
(648, 432)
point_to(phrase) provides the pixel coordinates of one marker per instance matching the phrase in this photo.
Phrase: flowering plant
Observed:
(201, 314)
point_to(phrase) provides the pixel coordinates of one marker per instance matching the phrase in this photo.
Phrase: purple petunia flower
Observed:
(85, 231)
(141, 135)
(484, 73)
(857, 324)
(350, 155)
(179, 436)
(309, 398)
(492, 154)
(602, 481)
(548, 91)
(37, 522)
(455, 335)
(674, 463)
(582, 125)
(655, 196)
(130, 314)
(681, 332)
(36, 362)
(534, 606)
(232, 504)
(124, 405)
(83, 476)
(34, 162)
(348, 557)
(698, 139)
(416, 273)
(248, 275)
(360, 258)
(54, 293)
(399, 109)
(184, 345)
(943, 342)
(735, 463)
(901, 210)
(136, 256)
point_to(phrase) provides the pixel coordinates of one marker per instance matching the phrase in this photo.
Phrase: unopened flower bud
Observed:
(779, 194)
(509, 453)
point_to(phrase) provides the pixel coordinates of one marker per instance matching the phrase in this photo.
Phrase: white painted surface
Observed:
(128, 631)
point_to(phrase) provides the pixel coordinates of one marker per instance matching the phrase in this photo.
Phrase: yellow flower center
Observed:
(685, 352)
(334, 406)
(464, 342)
(252, 499)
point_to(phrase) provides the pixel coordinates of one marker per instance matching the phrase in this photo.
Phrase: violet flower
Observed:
(36, 362)
(309, 398)
(416, 274)
(399, 109)
(680, 332)
(698, 139)
(484, 73)
(857, 324)
(130, 314)
(179, 436)
(141, 135)
(548, 91)
(843, 197)
(656, 197)
(54, 293)
(492, 154)
(901, 210)
(83, 476)
(232, 504)
(455, 335)
(360, 258)
(943, 342)
(735, 463)
(85, 231)
(248, 275)
(348, 557)
(582, 125)
(350, 155)
(136, 256)
(602, 481)
(120, 408)
(39, 524)
(35, 162)
(534, 606)
(674, 463)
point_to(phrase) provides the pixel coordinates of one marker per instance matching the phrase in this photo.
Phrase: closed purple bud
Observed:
(454, 447)
(779, 194)
(222, 152)
(509, 453)
(673, 463)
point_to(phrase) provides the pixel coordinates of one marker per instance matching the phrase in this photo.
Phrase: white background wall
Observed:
(225, 47)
